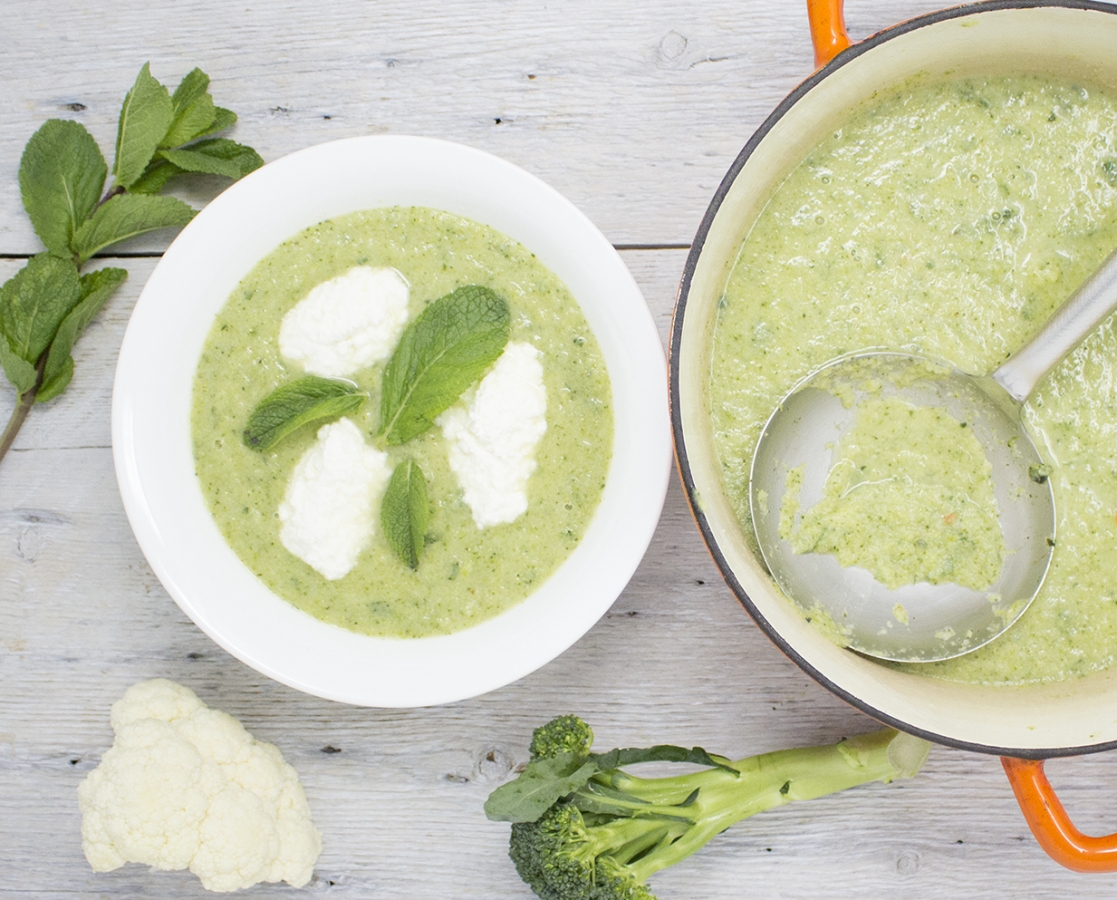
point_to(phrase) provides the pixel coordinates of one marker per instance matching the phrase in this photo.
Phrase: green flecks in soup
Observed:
(466, 574)
(950, 219)
(913, 474)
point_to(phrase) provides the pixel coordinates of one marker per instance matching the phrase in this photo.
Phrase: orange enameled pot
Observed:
(1024, 724)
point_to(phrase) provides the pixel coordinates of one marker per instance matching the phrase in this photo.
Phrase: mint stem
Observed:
(115, 191)
(23, 407)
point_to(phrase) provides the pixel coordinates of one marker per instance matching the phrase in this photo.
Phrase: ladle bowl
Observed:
(921, 621)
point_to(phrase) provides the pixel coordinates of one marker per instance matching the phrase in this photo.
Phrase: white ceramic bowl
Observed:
(151, 421)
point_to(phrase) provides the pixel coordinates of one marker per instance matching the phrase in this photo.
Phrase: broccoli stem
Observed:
(723, 797)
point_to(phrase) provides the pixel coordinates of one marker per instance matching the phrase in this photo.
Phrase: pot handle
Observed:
(1050, 823)
(828, 29)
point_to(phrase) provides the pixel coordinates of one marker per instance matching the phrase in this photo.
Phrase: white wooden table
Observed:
(634, 110)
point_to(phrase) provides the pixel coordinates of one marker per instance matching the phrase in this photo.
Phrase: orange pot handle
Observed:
(828, 29)
(1050, 823)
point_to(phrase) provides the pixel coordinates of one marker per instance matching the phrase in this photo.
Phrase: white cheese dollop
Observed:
(327, 512)
(346, 323)
(492, 436)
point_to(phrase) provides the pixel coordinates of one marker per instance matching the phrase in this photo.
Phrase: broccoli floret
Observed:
(566, 734)
(584, 829)
(561, 858)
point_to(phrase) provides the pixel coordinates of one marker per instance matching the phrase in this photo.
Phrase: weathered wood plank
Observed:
(634, 113)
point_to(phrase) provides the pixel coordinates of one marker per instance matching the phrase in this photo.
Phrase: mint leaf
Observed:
(440, 354)
(217, 156)
(309, 399)
(61, 176)
(194, 161)
(20, 372)
(539, 787)
(222, 148)
(33, 303)
(222, 119)
(96, 288)
(193, 110)
(155, 177)
(405, 512)
(190, 122)
(125, 216)
(194, 85)
(144, 120)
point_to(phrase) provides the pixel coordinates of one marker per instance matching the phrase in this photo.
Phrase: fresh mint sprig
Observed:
(46, 305)
(442, 353)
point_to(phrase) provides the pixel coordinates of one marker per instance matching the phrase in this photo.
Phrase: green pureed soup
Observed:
(913, 474)
(466, 574)
(950, 219)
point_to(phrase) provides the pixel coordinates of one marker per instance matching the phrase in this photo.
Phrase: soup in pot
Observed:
(949, 219)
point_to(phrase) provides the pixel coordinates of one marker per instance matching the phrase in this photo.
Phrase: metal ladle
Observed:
(947, 619)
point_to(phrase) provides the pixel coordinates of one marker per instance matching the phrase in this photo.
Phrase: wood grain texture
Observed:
(634, 111)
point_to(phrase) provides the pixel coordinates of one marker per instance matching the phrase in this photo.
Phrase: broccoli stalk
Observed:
(583, 829)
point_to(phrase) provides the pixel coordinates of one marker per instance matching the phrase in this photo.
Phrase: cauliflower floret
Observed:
(185, 786)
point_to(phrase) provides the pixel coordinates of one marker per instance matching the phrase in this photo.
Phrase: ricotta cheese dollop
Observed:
(492, 436)
(327, 512)
(346, 323)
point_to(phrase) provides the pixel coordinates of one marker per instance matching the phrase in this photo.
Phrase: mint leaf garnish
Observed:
(96, 288)
(127, 215)
(61, 176)
(309, 399)
(405, 512)
(144, 120)
(444, 351)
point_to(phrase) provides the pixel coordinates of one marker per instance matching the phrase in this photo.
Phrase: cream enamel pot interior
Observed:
(1023, 724)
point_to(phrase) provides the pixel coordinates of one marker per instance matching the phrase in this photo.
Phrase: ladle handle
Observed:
(1065, 330)
(1051, 825)
(828, 29)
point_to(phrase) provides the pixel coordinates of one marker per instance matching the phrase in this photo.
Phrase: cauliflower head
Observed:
(186, 787)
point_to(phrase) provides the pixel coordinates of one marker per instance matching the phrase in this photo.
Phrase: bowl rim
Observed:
(686, 475)
(153, 458)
